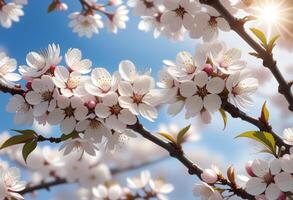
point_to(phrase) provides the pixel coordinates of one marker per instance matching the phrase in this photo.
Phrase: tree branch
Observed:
(10, 90)
(268, 61)
(174, 152)
(237, 113)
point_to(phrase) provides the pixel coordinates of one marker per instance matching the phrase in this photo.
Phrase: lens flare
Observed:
(276, 16)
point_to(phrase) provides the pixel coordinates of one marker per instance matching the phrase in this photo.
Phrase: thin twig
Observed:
(268, 60)
(11, 90)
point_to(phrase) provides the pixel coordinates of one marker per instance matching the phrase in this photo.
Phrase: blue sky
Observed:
(38, 28)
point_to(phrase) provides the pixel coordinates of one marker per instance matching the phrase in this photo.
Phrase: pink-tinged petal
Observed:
(63, 102)
(193, 106)
(110, 99)
(212, 102)
(188, 21)
(223, 24)
(175, 108)
(143, 84)
(33, 98)
(127, 117)
(201, 79)
(55, 117)
(171, 4)
(272, 192)
(40, 109)
(260, 167)
(188, 88)
(216, 85)
(148, 112)
(125, 89)
(284, 181)
(255, 186)
(102, 110)
(113, 123)
(61, 73)
(68, 125)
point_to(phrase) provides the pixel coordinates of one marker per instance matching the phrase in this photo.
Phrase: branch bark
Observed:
(268, 60)
(178, 154)
(11, 90)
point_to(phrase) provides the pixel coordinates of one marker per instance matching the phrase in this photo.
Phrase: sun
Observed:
(275, 15)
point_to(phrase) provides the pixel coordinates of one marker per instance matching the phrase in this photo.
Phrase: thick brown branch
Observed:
(11, 90)
(193, 169)
(237, 113)
(268, 61)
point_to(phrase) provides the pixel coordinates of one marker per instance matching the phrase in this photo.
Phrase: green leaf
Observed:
(272, 43)
(265, 115)
(224, 116)
(169, 137)
(18, 139)
(52, 6)
(28, 148)
(262, 137)
(181, 134)
(260, 35)
(69, 136)
(26, 132)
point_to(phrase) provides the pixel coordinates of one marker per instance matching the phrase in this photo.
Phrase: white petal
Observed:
(147, 111)
(212, 102)
(188, 88)
(216, 85)
(68, 125)
(255, 186)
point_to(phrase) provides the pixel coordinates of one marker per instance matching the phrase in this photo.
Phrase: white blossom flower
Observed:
(102, 83)
(40, 63)
(228, 61)
(118, 19)
(68, 82)
(264, 180)
(139, 98)
(127, 71)
(161, 188)
(139, 182)
(7, 67)
(207, 26)
(113, 192)
(69, 111)
(10, 13)
(117, 139)
(74, 61)
(148, 23)
(240, 88)
(206, 192)
(202, 94)
(115, 116)
(143, 7)
(42, 96)
(93, 128)
(10, 183)
(23, 111)
(179, 13)
(79, 144)
(85, 25)
(288, 136)
(94, 176)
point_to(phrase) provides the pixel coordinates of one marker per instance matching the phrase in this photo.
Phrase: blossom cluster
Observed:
(11, 12)
(98, 108)
(92, 174)
(89, 22)
(174, 18)
(202, 82)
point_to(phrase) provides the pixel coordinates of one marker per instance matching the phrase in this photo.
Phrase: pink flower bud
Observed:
(52, 69)
(23, 94)
(248, 168)
(282, 196)
(209, 176)
(61, 6)
(91, 104)
(28, 85)
(208, 69)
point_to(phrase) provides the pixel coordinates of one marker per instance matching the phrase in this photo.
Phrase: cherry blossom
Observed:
(114, 192)
(7, 67)
(79, 144)
(118, 20)
(40, 63)
(85, 25)
(74, 61)
(10, 183)
(139, 182)
(10, 12)
(205, 191)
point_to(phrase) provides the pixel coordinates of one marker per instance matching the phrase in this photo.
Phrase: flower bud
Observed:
(28, 85)
(208, 69)
(209, 176)
(248, 168)
(282, 196)
(52, 69)
(61, 6)
(91, 104)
